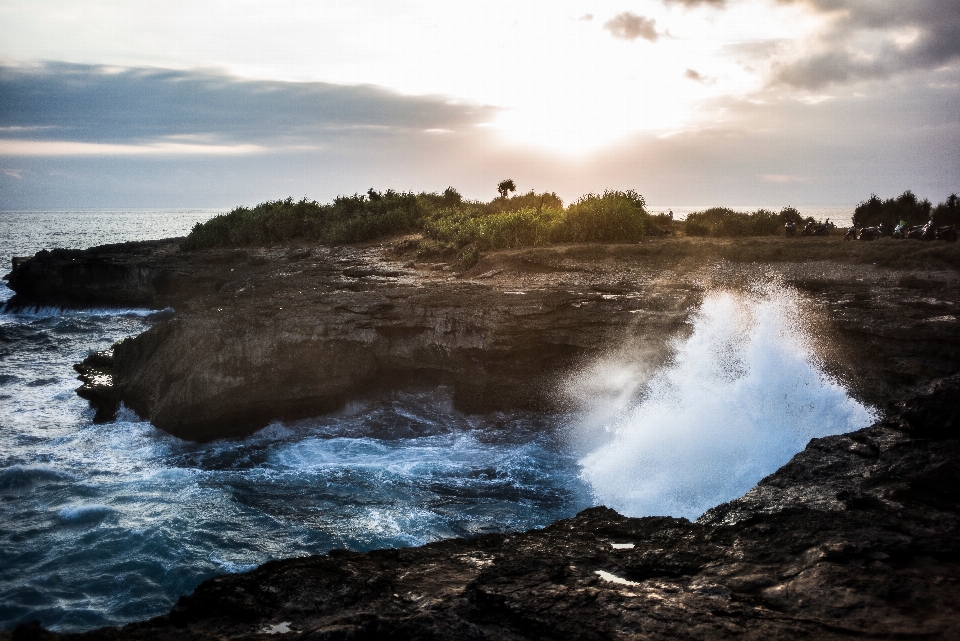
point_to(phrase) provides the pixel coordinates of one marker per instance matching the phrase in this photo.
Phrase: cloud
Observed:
(696, 76)
(14, 173)
(167, 111)
(865, 39)
(783, 178)
(696, 3)
(629, 26)
(587, 17)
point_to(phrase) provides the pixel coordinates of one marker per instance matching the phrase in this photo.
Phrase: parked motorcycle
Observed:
(947, 232)
(790, 229)
(812, 229)
(851, 233)
(900, 231)
(870, 233)
(916, 232)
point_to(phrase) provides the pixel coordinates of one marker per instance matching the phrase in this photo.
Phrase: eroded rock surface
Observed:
(857, 537)
(292, 331)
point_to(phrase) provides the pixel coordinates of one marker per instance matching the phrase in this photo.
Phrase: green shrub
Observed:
(527, 220)
(523, 228)
(529, 200)
(347, 219)
(616, 216)
(906, 206)
(721, 221)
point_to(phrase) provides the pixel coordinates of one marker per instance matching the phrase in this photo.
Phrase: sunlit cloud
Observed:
(68, 148)
(696, 76)
(866, 40)
(697, 3)
(629, 26)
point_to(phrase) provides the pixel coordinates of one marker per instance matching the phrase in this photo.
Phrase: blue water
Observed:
(106, 524)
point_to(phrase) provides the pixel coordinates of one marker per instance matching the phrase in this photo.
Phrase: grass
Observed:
(692, 251)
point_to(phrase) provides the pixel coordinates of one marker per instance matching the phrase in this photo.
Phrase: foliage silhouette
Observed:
(505, 187)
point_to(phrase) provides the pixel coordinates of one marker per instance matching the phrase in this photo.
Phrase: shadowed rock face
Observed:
(293, 331)
(857, 537)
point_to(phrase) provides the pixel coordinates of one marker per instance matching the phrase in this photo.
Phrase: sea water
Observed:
(110, 523)
(106, 524)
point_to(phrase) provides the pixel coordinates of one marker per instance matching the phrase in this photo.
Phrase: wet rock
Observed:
(935, 413)
(97, 374)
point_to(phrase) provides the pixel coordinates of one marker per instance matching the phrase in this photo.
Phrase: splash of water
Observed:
(742, 394)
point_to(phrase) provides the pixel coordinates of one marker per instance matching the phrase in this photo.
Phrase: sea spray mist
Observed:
(742, 394)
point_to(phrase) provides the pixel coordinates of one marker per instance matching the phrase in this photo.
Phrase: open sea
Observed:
(108, 524)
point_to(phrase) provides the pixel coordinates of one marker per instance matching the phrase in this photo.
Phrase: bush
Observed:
(529, 200)
(616, 216)
(906, 206)
(347, 219)
(523, 228)
(721, 221)
(527, 220)
(947, 212)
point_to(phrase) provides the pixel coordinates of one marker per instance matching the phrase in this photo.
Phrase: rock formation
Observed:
(292, 331)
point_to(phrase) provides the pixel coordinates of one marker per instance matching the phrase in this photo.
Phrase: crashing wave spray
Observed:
(739, 398)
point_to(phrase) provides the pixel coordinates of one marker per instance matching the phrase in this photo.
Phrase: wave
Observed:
(17, 477)
(43, 312)
(741, 395)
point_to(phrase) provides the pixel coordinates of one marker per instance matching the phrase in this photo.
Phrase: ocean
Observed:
(107, 524)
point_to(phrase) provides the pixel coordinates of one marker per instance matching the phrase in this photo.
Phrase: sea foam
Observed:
(742, 394)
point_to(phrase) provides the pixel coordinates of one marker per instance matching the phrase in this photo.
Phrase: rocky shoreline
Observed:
(855, 537)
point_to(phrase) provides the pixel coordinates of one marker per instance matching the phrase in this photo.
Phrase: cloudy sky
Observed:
(699, 102)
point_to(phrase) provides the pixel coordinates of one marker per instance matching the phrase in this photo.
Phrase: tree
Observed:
(505, 187)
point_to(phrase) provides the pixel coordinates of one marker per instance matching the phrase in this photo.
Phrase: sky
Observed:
(219, 103)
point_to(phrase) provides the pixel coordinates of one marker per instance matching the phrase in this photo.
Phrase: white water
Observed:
(741, 396)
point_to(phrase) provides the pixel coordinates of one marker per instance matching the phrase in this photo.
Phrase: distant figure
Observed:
(671, 214)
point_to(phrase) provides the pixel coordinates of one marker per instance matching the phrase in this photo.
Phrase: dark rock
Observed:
(97, 373)
(935, 413)
(127, 275)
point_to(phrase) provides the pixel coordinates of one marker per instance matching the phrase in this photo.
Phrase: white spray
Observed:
(739, 398)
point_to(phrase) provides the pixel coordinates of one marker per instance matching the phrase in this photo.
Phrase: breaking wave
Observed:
(742, 394)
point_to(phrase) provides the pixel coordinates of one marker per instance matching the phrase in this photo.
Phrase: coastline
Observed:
(891, 331)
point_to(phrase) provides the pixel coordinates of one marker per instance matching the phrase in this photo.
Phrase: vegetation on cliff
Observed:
(721, 221)
(529, 219)
(450, 224)
(906, 207)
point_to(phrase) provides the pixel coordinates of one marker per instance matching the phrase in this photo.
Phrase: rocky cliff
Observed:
(292, 331)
